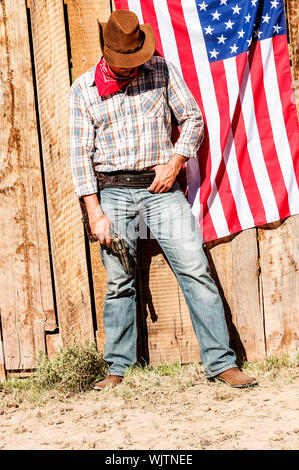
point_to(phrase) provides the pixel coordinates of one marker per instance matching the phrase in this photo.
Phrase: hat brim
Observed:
(134, 59)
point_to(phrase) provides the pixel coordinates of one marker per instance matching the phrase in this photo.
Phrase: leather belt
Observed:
(128, 179)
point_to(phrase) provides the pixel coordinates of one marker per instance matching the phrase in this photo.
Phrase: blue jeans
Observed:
(169, 217)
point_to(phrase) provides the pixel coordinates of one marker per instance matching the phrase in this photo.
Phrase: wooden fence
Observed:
(52, 282)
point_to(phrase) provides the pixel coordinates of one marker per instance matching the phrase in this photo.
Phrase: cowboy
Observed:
(120, 136)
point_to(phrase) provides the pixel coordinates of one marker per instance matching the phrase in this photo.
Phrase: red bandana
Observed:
(108, 82)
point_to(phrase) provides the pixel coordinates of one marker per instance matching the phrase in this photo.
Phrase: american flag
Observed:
(233, 55)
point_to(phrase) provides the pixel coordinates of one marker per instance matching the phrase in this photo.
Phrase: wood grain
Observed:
(53, 345)
(84, 32)
(83, 16)
(26, 297)
(279, 260)
(235, 269)
(67, 236)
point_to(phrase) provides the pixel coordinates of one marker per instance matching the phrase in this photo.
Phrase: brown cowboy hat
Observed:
(124, 42)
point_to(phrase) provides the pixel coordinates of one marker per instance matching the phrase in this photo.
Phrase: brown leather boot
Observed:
(111, 380)
(236, 378)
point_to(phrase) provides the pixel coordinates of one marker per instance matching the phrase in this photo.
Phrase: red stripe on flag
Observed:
(287, 97)
(149, 16)
(190, 76)
(121, 4)
(265, 130)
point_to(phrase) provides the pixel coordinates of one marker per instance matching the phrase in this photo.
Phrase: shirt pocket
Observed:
(153, 102)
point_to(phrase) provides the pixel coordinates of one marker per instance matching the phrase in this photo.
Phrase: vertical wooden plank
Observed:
(83, 16)
(235, 268)
(67, 236)
(84, 32)
(279, 251)
(26, 298)
(169, 333)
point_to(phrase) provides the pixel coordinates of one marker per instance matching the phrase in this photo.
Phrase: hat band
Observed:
(128, 51)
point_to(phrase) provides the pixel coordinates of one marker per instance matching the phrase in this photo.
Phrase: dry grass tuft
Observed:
(72, 371)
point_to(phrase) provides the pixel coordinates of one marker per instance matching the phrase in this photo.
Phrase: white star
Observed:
(221, 39)
(277, 28)
(216, 15)
(223, 2)
(209, 30)
(241, 33)
(247, 18)
(274, 4)
(253, 3)
(257, 33)
(249, 41)
(203, 6)
(266, 18)
(234, 49)
(236, 9)
(214, 54)
(229, 24)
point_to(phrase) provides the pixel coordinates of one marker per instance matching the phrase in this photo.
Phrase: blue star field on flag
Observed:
(229, 26)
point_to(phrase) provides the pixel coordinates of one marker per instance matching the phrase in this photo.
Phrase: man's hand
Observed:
(166, 174)
(100, 224)
(101, 227)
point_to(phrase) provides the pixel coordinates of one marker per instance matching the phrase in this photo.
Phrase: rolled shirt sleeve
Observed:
(187, 114)
(81, 145)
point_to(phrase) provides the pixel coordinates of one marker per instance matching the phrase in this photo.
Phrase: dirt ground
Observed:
(153, 411)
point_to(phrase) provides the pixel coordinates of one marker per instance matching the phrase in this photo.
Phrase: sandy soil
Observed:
(160, 412)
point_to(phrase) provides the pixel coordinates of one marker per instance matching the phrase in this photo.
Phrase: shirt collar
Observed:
(91, 79)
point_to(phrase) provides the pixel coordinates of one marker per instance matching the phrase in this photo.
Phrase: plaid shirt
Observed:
(130, 129)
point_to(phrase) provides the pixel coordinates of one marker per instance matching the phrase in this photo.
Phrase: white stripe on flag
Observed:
(255, 150)
(278, 124)
(167, 34)
(134, 5)
(211, 109)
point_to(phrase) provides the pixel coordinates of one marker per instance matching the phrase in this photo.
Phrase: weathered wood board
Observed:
(66, 230)
(26, 297)
(235, 268)
(53, 344)
(83, 17)
(279, 261)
